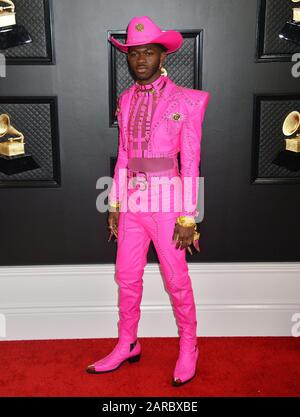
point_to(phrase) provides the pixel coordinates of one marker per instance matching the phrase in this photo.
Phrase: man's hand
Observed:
(113, 221)
(185, 235)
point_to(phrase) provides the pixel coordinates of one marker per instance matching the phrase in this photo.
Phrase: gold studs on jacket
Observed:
(177, 116)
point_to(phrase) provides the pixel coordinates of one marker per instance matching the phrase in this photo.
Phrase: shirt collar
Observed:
(156, 85)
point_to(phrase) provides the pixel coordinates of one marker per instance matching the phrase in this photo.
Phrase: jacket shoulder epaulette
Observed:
(193, 98)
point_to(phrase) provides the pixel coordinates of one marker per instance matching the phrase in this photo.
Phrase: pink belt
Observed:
(143, 179)
(151, 164)
(142, 169)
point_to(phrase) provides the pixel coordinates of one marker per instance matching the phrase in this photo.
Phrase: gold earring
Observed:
(163, 71)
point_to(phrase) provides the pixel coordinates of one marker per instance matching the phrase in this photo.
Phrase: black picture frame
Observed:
(257, 176)
(11, 55)
(196, 34)
(54, 144)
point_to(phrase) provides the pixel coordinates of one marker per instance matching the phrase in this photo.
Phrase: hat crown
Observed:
(142, 28)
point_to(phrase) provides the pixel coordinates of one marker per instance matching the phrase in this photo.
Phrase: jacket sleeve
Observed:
(119, 182)
(190, 151)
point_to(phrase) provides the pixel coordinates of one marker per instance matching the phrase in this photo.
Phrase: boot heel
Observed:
(134, 358)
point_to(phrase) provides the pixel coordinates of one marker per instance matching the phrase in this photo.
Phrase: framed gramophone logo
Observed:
(13, 158)
(184, 66)
(26, 31)
(29, 143)
(276, 139)
(278, 30)
(289, 157)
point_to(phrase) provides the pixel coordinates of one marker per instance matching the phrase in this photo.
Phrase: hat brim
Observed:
(171, 39)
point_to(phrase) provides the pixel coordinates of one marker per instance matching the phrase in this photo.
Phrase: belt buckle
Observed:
(135, 179)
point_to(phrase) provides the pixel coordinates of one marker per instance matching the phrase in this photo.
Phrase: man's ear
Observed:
(163, 56)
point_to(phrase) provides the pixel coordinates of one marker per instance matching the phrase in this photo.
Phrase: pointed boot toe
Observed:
(91, 369)
(177, 382)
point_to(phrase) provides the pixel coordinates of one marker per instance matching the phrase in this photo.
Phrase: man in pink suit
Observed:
(157, 120)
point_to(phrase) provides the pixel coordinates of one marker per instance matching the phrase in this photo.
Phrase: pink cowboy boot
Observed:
(125, 350)
(121, 353)
(129, 277)
(185, 312)
(178, 283)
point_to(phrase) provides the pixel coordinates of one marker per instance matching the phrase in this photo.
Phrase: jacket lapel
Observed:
(125, 112)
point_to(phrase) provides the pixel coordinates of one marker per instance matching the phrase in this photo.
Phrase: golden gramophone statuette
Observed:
(11, 34)
(291, 125)
(13, 145)
(13, 159)
(290, 156)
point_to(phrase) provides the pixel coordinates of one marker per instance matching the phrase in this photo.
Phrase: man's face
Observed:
(144, 61)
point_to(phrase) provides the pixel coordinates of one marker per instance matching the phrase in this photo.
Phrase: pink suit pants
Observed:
(135, 231)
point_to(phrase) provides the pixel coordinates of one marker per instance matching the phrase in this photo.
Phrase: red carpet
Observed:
(228, 366)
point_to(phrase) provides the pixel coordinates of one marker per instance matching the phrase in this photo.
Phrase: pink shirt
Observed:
(143, 105)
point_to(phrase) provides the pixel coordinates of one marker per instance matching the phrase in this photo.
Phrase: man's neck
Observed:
(150, 80)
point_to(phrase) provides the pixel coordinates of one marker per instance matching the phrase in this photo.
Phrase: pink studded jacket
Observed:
(176, 126)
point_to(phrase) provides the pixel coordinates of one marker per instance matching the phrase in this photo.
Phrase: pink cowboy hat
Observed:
(142, 30)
